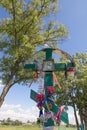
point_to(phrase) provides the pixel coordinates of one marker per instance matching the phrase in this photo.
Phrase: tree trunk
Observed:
(76, 116)
(5, 91)
(81, 114)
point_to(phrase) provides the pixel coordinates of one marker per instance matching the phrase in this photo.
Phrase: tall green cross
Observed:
(48, 67)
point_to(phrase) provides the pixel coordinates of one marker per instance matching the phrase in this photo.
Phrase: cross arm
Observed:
(63, 66)
(54, 109)
(30, 67)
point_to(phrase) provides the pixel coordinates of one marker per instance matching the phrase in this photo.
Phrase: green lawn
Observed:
(19, 128)
(30, 128)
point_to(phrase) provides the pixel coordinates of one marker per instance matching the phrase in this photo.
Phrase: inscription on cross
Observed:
(48, 67)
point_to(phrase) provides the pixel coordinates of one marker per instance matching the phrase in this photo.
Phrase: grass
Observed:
(19, 128)
(31, 128)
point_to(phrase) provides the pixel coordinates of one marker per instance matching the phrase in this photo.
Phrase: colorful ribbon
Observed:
(59, 113)
(35, 76)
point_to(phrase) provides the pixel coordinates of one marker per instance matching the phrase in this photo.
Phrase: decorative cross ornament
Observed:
(46, 100)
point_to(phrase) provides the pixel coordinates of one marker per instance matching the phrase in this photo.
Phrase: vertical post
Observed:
(48, 78)
(48, 81)
(48, 53)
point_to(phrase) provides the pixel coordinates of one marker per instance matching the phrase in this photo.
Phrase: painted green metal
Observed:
(49, 122)
(63, 66)
(70, 65)
(59, 66)
(48, 81)
(48, 53)
(54, 109)
(64, 117)
(33, 95)
(30, 67)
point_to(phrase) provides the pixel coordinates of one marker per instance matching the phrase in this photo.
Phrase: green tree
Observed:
(21, 33)
(11, 122)
(17, 122)
(74, 90)
(81, 87)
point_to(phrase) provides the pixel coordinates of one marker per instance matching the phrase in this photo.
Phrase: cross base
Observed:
(48, 128)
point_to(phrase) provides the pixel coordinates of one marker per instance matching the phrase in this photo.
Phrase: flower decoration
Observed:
(50, 105)
(40, 97)
(50, 89)
(39, 105)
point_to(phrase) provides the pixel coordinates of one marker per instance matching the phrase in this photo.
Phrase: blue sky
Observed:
(72, 13)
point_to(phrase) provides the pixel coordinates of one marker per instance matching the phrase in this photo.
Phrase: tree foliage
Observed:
(26, 27)
(81, 87)
(11, 122)
(74, 90)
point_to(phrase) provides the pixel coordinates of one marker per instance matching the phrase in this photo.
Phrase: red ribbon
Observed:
(35, 76)
(71, 69)
(59, 113)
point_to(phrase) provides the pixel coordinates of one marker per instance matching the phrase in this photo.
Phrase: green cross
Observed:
(48, 81)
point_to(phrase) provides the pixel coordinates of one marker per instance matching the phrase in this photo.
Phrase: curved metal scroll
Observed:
(59, 52)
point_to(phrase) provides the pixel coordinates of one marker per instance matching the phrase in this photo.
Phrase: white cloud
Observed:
(1, 85)
(18, 112)
(72, 117)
